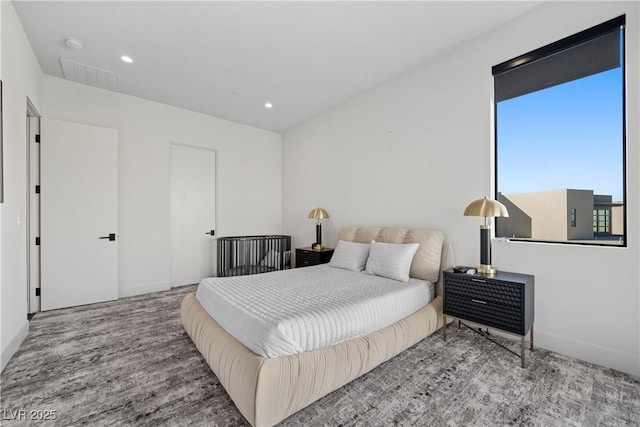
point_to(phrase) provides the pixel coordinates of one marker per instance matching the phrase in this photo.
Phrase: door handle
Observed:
(211, 233)
(111, 237)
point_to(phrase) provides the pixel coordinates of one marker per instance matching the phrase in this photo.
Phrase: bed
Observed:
(266, 390)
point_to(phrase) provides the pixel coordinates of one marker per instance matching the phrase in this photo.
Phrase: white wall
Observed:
(415, 151)
(21, 77)
(248, 172)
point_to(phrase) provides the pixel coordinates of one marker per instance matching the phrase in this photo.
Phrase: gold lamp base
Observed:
(486, 270)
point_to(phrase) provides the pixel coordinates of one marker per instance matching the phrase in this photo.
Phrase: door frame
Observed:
(215, 203)
(33, 209)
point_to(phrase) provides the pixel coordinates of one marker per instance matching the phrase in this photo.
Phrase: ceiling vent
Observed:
(89, 75)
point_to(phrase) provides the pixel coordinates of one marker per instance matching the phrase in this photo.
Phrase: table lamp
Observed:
(319, 214)
(487, 209)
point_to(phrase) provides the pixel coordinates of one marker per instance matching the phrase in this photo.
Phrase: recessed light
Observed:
(268, 105)
(126, 59)
(73, 43)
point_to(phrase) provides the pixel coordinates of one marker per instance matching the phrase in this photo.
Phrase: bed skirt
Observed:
(268, 390)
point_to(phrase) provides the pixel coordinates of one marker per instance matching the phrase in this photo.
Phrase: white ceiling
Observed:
(227, 59)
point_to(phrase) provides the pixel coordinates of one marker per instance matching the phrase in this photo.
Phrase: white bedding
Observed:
(303, 309)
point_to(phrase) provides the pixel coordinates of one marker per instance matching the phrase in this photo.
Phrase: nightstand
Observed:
(306, 257)
(504, 301)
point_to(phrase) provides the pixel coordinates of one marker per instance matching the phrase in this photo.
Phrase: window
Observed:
(560, 140)
(601, 221)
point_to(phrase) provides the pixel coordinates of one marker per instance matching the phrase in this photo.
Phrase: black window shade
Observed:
(589, 52)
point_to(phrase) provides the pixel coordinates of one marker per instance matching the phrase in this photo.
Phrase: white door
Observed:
(193, 192)
(79, 214)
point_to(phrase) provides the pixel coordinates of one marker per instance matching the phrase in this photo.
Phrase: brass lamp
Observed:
(487, 209)
(319, 214)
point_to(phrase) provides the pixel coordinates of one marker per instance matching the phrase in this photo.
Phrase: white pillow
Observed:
(350, 255)
(392, 260)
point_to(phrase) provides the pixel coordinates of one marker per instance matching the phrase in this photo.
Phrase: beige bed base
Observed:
(267, 390)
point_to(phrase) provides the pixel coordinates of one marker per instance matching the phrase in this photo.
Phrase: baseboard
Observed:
(13, 346)
(603, 356)
(146, 288)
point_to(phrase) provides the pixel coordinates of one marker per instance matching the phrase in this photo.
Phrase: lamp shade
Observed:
(318, 213)
(486, 208)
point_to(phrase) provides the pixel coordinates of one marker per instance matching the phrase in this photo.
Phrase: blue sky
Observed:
(566, 136)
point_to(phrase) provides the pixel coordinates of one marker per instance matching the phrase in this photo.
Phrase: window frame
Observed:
(548, 50)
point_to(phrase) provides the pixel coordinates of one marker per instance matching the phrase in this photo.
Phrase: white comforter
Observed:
(292, 311)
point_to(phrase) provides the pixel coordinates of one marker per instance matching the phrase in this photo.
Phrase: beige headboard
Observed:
(433, 255)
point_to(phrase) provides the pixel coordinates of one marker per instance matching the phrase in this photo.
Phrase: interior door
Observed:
(193, 192)
(79, 214)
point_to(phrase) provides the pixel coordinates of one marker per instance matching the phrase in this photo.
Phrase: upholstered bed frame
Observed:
(267, 390)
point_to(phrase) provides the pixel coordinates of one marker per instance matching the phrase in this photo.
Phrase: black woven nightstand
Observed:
(504, 301)
(306, 257)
